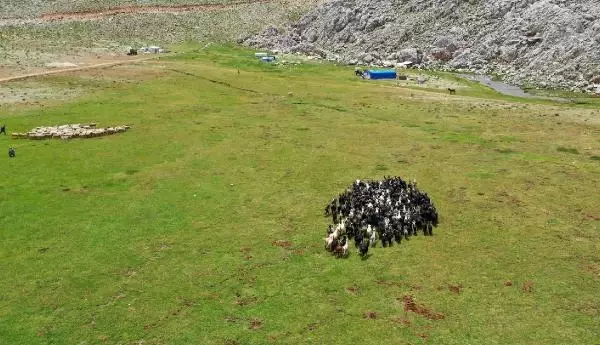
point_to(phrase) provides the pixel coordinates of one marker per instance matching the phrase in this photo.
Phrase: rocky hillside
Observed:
(547, 43)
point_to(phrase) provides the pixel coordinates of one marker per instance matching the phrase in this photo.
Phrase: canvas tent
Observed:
(381, 74)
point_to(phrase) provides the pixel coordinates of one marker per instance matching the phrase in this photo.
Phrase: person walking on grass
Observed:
(3, 129)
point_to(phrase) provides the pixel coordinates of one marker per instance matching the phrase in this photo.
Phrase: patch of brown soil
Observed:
(370, 315)
(282, 243)
(528, 286)
(242, 301)
(353, 289)
(125, 73)
(74, 69)
(231, 319)
(403, 321)
(591, 267)
(412, 306)
(508, 283)
(423, 335)
(149, 9)
(591, 216)
(246, 252)
(455, 289)
(256, 324)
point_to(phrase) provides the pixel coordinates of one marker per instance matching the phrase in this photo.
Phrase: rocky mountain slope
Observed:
(547, 43)
(31, 40)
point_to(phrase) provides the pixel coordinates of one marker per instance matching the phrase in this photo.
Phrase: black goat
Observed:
(363, 248)
(389, 210)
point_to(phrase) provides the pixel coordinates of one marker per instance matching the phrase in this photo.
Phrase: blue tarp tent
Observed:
(381, 74)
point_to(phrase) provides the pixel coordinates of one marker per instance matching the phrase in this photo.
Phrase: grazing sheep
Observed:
(373, 239)
(345, 247)
(358, 238)
(329, 242)
(363, 248)
(390, 210)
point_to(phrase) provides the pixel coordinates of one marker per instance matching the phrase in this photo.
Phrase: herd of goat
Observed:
(389, 210)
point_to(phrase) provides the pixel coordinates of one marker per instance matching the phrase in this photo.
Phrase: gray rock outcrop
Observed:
(552, 43)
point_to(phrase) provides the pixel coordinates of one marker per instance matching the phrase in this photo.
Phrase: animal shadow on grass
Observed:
(365, 257)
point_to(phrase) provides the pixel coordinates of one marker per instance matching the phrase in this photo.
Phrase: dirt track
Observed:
(74, 69)
(96, 14)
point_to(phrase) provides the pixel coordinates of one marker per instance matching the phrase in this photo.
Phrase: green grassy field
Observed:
(203, 224)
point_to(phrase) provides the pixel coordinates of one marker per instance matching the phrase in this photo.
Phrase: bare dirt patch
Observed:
(528, 286)
(455, 289)
(242, 301)
(403, 321)
(256, 324)
(282, 243)
(35, 92)
(508, 283)
(591, 216)
(371, 315)
(145, 70)
(147, 9)
(412, 306)
(592, 268)
(48, 71)
(231, 319)
(354, 289)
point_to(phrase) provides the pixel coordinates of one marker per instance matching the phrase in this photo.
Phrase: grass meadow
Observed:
(203, 224)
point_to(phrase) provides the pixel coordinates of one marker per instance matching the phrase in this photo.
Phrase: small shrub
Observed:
(567, 150)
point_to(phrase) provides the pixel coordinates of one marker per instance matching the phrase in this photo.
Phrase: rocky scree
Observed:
(543, 43)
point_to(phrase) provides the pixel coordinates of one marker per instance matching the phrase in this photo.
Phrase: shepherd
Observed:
(3, 129)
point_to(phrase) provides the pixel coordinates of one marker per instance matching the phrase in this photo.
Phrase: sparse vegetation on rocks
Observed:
(545, 43)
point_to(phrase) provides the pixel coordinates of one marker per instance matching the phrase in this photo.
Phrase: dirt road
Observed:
(74, 69)
(96, 14)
